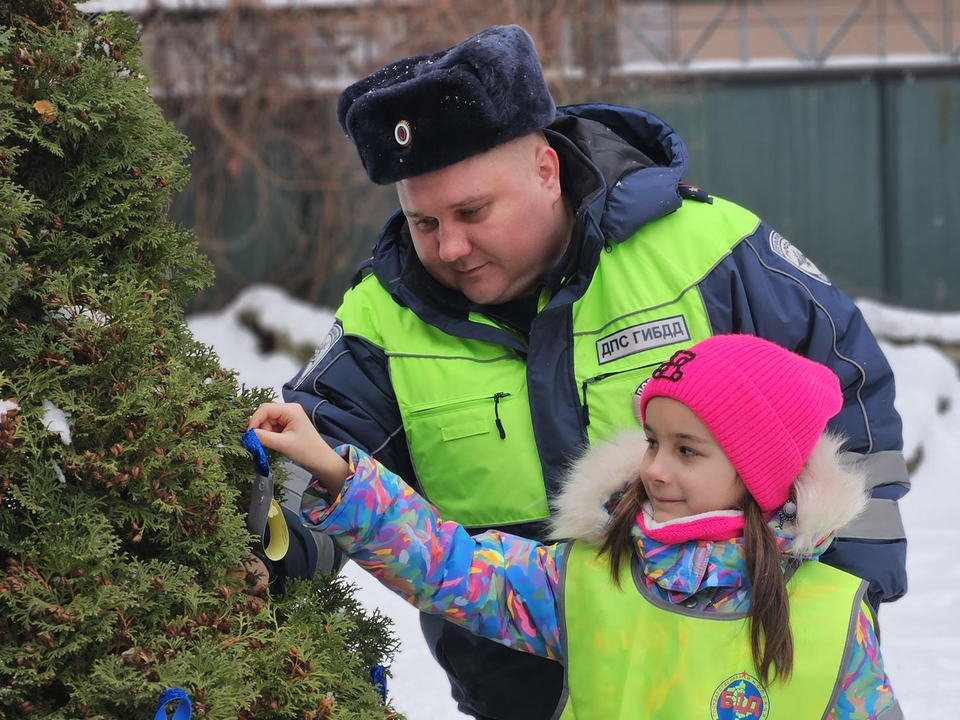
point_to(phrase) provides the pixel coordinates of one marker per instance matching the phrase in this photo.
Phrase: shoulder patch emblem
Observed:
(336, 332)
(740, 696)
(782, 247)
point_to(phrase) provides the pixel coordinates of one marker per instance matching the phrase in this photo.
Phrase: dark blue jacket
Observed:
(622, 168)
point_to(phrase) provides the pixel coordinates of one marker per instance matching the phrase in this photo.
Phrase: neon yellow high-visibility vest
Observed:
(464, 403)
(632, 654)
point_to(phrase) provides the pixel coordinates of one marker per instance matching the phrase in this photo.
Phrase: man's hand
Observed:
(285, 427)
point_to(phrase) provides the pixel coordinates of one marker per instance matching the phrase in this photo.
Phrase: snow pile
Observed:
(920, 633)
(928, 394)
(56, 421)
(59, 471)
(299, 323)
(95, 316)
(230, 334)
(6, 406)
(902, 325)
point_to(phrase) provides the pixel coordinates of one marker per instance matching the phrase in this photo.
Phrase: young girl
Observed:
(691, 587)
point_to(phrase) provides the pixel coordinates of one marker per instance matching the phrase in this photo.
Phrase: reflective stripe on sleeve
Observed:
(879, 521)
(887, 467)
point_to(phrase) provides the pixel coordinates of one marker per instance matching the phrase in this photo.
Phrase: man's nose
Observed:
(453, 243)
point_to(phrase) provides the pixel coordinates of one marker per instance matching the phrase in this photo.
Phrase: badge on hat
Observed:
(402, 133)
(672, 369)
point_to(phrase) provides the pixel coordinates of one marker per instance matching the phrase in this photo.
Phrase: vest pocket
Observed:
(476, 459)
(464, 430)
(607, 401)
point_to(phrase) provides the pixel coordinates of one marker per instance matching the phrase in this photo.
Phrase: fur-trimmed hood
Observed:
(829, 492)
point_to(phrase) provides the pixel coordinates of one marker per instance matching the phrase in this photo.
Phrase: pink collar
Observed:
(716, 526)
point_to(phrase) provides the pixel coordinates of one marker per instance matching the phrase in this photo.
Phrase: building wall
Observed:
(780, 30)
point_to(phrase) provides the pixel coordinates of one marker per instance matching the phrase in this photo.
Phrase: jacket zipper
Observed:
(496, 413)
(584, 407)
(496, 397)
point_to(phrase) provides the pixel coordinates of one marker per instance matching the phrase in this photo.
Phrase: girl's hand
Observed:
(285, 427)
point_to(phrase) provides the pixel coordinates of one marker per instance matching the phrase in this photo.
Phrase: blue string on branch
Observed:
(258, 520)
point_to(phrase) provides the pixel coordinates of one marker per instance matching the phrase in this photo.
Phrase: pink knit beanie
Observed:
(766, 406)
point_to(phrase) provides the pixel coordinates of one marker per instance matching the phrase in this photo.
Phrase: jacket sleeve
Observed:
(766, 287)
(865, 691)
(303, 558)
(497, 586)
(346, 390)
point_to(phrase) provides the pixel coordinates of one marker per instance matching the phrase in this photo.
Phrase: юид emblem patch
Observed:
(740, 696)
(637, 394)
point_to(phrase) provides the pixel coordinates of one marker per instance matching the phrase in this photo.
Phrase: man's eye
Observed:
(467, 214)
(425, 223)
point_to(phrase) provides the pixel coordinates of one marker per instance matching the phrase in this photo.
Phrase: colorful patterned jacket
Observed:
(506, 588)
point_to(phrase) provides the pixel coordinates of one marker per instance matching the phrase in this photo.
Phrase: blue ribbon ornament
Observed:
(379, 679)
(264, 511)
(184, 710)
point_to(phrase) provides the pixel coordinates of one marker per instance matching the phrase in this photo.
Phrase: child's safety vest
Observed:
(632, 654)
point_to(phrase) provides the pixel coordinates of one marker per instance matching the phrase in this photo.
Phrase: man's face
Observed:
(491, 225)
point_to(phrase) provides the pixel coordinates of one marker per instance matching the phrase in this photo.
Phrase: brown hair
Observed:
(616, 537)
(771, 642)
(769, 604)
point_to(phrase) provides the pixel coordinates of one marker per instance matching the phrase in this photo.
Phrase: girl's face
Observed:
(684, 472)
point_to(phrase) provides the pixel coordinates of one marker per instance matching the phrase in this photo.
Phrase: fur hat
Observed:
(426, 112)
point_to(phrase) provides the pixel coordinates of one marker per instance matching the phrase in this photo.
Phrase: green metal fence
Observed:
(862, 173)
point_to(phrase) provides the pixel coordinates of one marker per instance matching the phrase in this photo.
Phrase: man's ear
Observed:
(548, 168)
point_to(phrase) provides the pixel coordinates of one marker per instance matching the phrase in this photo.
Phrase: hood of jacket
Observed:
(829, 493)
(620, 168)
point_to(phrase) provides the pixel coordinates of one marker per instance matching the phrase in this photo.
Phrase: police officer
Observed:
(542, 260)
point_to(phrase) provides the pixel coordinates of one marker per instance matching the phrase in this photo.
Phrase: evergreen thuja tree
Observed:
(122, 479)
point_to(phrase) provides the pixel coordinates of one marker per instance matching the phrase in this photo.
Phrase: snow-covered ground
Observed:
(921, 633)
